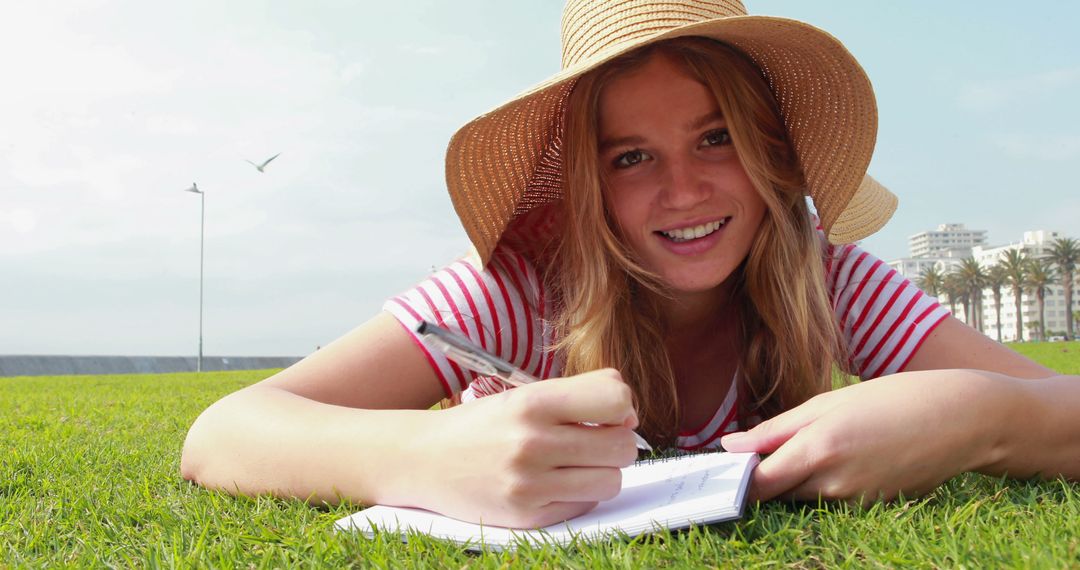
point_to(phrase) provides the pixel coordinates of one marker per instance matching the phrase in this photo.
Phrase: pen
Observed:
(466, 353)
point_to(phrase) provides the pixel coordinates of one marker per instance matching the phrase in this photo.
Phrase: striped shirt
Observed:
(504, 308)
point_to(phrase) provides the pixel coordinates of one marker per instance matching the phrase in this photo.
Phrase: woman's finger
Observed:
(580, 484)
(580, 445)
(770, 435)
(599, 397)
(555, 513)
(831, 487)
(784, 470)
(541, 499)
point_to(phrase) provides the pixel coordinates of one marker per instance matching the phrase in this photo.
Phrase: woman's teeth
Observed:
(694, 232)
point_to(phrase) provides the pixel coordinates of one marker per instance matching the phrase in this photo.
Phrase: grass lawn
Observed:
(89, 476)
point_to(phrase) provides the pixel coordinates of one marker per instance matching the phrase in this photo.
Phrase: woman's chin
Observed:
(695, 283)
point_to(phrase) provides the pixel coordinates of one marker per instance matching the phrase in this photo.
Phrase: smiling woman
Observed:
(644, 243)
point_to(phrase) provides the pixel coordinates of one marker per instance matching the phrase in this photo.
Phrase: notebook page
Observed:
(672, 493)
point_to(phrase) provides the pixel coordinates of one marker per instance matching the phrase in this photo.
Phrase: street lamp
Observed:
(202, 238)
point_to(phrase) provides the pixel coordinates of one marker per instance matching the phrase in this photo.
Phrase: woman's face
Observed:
(672, 179)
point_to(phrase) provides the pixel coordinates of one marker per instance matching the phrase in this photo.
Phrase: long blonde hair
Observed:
(608, 316)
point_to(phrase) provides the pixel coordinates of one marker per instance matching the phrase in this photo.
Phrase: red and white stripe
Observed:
(882, 315)
(723, 422)
(501, 308)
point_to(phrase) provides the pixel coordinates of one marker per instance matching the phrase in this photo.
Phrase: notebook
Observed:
(671, 493)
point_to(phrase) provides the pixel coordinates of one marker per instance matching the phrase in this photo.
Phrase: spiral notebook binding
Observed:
(672, 454)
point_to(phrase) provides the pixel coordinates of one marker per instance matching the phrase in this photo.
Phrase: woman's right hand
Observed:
(522, 458)
(353, 421)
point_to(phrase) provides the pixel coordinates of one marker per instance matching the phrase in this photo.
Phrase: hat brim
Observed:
(823, 94)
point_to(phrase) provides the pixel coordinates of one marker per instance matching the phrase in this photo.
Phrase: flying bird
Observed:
(194, 188)
(260, 167)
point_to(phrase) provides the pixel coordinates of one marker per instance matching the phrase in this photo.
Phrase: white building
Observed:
(948, 241)
(1035, 244)
(944, 248)
(912, 267)
(950, 244)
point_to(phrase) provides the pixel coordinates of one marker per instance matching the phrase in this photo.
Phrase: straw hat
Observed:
(508, 161)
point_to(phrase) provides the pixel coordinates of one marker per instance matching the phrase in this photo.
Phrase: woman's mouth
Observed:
(690, 233)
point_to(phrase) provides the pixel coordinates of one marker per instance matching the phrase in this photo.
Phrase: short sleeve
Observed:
(883, 317)
(501, 307)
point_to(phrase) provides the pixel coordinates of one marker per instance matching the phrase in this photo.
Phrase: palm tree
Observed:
(973, 276)
(995, 280)
(1065, 255)
(1015, 265)
(931, 280)
(1033, 328)
(955, 290)
(1040, 274)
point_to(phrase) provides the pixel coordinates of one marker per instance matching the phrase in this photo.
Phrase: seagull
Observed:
(194, 188)
(260, 167)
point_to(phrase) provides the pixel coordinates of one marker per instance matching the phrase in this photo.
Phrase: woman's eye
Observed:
(717, 138)
(628, 159)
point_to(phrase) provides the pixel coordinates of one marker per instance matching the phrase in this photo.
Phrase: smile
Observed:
(694, 232)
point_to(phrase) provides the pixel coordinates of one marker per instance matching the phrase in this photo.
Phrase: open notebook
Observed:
(669, 493)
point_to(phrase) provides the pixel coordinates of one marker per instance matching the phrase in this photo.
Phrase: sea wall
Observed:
(56, 365)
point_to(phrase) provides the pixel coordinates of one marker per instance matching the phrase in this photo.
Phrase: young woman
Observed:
(643, 242)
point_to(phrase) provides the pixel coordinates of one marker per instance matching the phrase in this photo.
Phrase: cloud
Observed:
(352, 71)
(423, 50)
(18, 220)
(986, 96)
(171, 125)
(1051, 147)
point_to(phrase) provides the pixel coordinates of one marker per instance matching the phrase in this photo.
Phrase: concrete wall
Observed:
(54, 365)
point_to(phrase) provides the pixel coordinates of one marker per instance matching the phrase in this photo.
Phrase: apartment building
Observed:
(947, 241)
(1035, 244)
(947, 247)
(944, 248)
(912, 267)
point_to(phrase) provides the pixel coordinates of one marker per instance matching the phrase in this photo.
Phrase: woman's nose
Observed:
(684, 185)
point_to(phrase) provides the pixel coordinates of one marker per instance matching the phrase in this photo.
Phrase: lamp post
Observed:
(202, 239)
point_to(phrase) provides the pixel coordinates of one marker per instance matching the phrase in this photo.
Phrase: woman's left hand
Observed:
(906, 433)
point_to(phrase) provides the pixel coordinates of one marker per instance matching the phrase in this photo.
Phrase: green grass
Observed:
(89, 476)
(1061, 356)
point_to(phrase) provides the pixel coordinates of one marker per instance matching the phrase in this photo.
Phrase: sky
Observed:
(111, 108)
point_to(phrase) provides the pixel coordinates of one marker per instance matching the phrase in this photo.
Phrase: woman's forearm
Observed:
(1041, 435)
(267, 440)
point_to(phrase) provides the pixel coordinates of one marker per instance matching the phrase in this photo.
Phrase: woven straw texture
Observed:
(508, 161)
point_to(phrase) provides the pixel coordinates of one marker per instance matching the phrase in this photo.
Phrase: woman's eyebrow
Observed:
(707, 118)
(632, 140)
